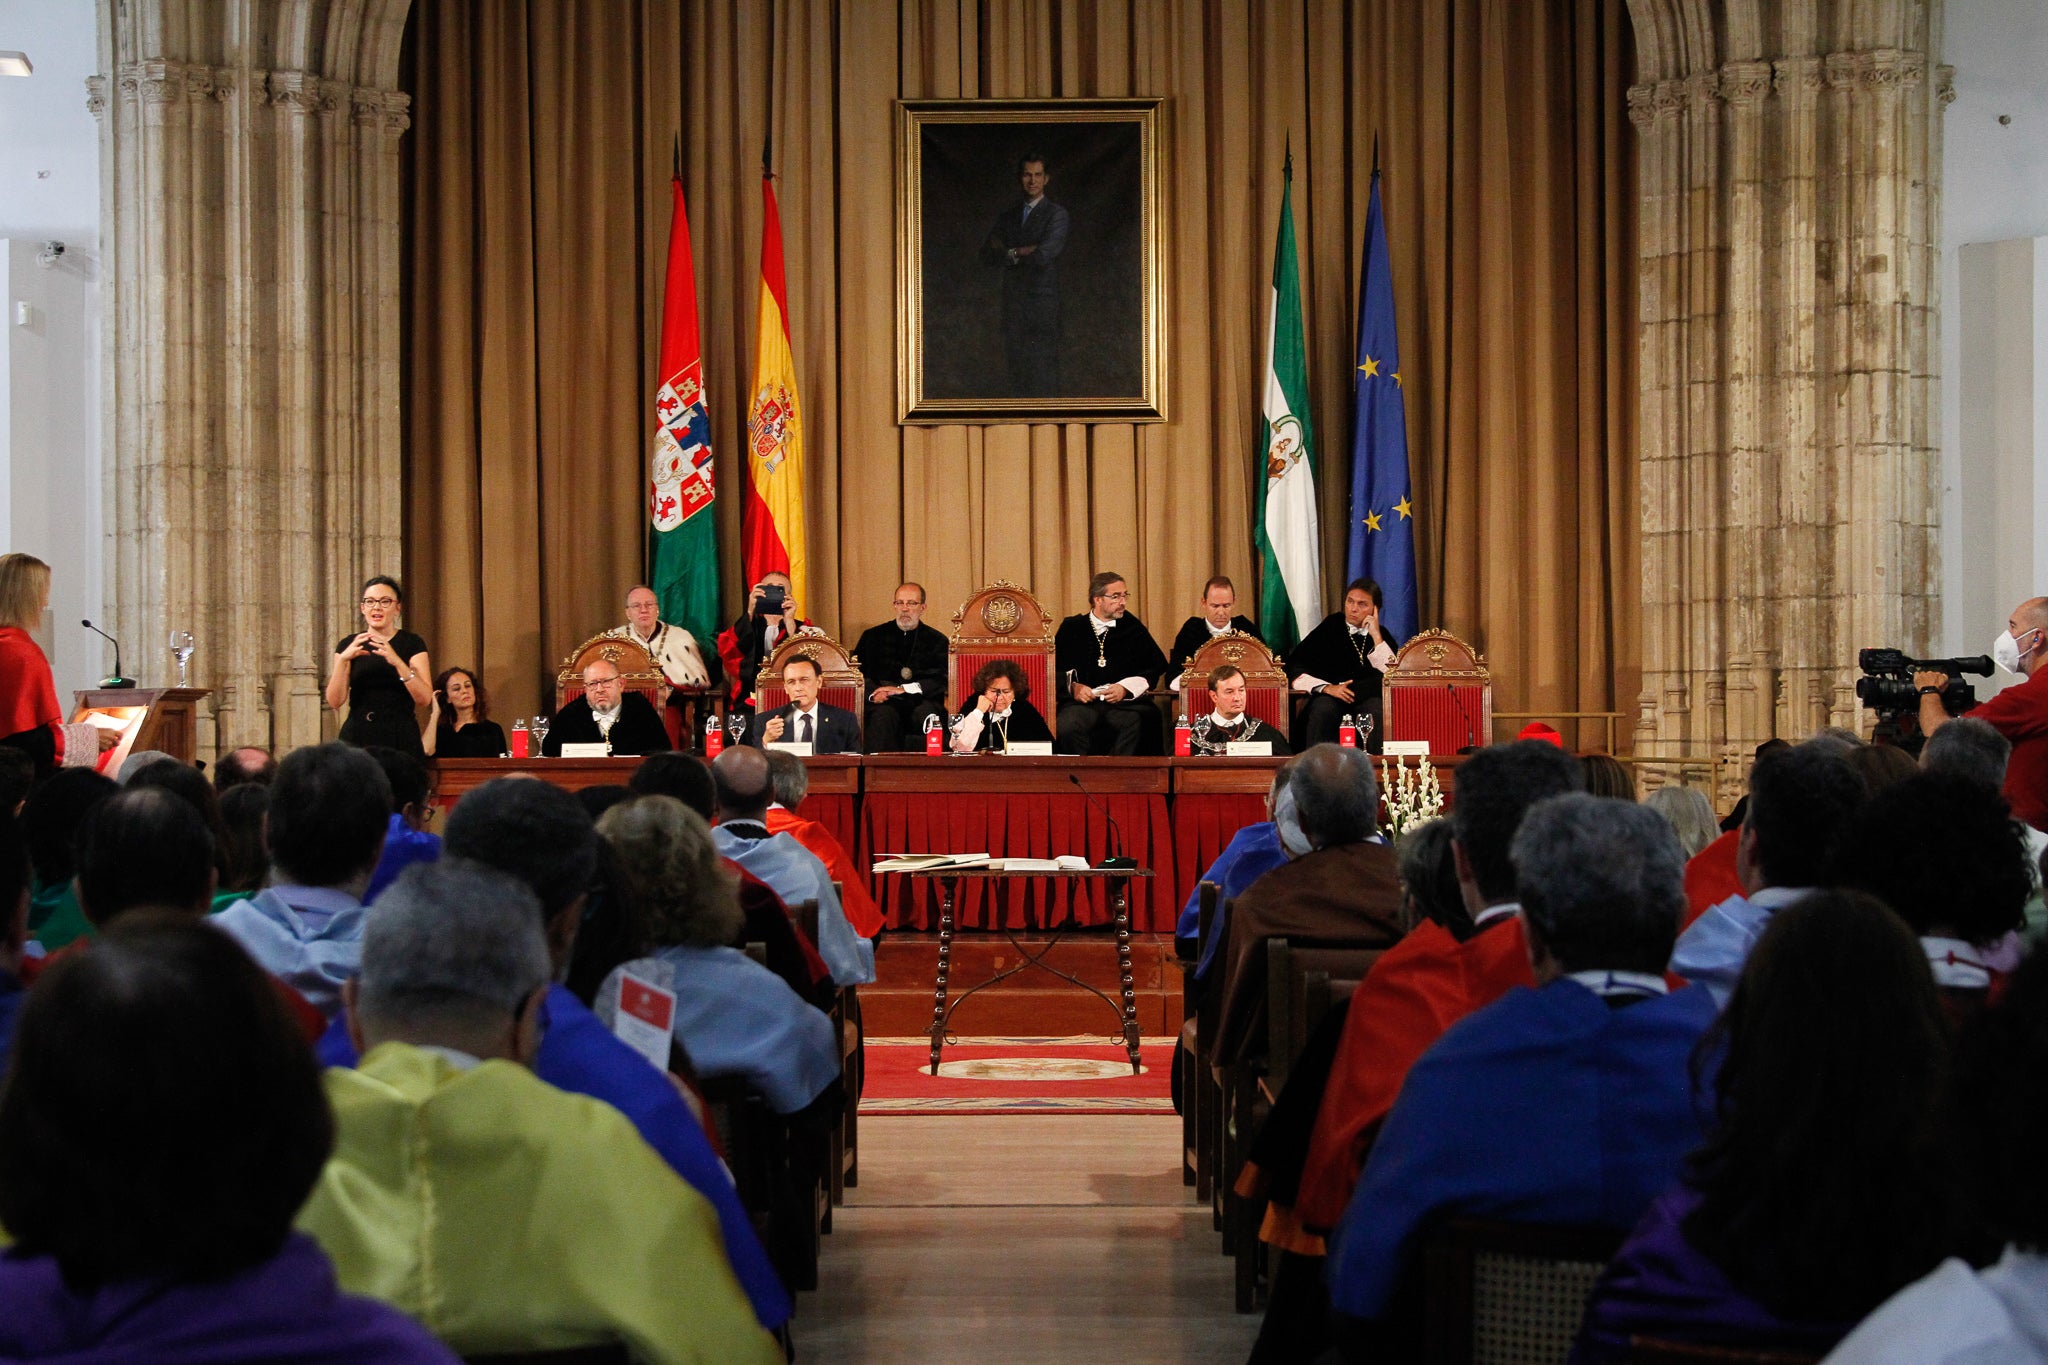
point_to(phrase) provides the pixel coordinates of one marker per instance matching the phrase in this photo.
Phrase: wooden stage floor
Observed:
(1032, 1003)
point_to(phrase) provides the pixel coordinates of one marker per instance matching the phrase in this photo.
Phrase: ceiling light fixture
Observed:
(15, 64)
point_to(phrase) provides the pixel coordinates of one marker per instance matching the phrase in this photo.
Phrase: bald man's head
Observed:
(739, 779)
(2031, 614)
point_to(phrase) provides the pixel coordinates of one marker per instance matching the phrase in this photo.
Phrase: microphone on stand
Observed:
(1116, 861)
(1471, 740)
(116, 680)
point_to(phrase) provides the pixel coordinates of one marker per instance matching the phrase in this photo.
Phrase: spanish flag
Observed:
(774, 530)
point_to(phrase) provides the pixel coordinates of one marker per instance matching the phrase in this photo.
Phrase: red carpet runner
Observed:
(1016, 1076)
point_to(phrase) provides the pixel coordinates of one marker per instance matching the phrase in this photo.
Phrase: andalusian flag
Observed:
(775, 434)
(683, 542)
(1285, 531)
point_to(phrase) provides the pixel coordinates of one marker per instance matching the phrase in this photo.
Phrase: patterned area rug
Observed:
(1017, 1076)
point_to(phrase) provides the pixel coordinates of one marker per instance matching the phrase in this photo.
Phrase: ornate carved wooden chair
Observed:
(1439, 690)
(637, 670)
(1265, 680)
(1002, 621)
(841, 684)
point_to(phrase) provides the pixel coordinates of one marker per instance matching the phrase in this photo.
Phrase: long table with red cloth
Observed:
(1173, 815)
(835, 783)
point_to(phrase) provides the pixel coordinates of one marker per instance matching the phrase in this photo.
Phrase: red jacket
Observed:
(2021, 714)
(1418, 989)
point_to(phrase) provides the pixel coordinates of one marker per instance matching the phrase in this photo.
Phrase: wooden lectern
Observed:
(165, 718)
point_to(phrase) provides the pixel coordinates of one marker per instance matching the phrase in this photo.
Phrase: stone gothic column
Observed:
(1790, 182)
(249, 189)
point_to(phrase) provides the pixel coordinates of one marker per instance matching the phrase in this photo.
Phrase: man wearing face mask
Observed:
(1339, 885)
(2020, 713)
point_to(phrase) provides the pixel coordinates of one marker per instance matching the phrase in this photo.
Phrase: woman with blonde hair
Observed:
(1690, 813)
(733, 1016)
(30, 717)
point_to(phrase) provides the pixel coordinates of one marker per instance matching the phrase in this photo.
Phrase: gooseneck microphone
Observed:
(116, 680)
(1116, 861)
(1471, 739)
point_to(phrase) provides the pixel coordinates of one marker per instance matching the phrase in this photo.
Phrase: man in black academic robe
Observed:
(1341, 665)
(1226, 723)
(1218, 614)
(904, 664)
(1107, 661)
(607, 714)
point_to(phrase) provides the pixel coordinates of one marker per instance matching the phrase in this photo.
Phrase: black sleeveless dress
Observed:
(380, 710)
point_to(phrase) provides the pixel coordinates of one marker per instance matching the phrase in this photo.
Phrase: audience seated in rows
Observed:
(789, 953)
(1710, 877)
(50, 821)
(1338, 885)
(502, 1213)
(1970, 748)
(243, 809)
(541, 836)
(1568, 1104)
(1824, 1184)
(246, 765)
(742, 796)
(406, 838)
(1436, 975)
(1251, 853)
(1800, 801)
(732, 1015)
(14, 890)
(1691, 816)
(189, 785)
(160, 1128)
(791, 782)
(1945, 853)
(1957, 1314)
(329, 807)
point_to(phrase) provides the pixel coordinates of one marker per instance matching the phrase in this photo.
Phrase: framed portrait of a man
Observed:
(1029, 261)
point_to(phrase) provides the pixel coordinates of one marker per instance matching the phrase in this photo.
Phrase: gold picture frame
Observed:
(986, 333)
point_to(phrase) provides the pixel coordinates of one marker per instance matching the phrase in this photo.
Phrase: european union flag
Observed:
(1382, 541)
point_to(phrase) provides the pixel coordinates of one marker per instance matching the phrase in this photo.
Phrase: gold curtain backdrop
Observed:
(540, 154)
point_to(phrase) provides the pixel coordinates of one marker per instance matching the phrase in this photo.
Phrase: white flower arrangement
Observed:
(1412, 795)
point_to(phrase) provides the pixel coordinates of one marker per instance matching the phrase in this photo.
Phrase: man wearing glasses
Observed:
(904, 664)
(1107, 662)
(625, 722)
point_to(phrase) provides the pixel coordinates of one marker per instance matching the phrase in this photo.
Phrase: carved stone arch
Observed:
(1674, 38)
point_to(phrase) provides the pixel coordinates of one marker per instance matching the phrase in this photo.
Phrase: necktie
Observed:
(805, 737)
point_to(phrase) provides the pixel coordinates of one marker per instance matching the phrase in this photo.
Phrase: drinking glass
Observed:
(181, 650)
(735, 730)
(538, 728)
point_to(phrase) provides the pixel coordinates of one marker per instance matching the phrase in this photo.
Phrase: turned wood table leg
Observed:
(947, 885)
(1120, 894)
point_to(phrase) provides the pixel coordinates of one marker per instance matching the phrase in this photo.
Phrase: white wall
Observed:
(1994, 389)
(49, 369)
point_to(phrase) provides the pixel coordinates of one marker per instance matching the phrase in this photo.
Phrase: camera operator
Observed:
(2019, 713)
(770, 617)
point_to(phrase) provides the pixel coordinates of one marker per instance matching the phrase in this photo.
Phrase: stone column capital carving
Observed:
(96, 95)
(1659, 100)
(1945, 84)
(1745, 83)
(302, 92)
(1796, 73)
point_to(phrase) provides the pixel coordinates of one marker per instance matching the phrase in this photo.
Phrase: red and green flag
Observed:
(681, 486)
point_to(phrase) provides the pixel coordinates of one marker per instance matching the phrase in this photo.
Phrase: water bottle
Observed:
(1347, 731)
(520, 748)
(1183, 738)
(714, 737)
(934, 737)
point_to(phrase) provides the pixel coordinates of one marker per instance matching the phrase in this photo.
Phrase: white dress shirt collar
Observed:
(1606, 984)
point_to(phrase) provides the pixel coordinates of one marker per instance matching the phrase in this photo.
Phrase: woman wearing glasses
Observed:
(381, 674)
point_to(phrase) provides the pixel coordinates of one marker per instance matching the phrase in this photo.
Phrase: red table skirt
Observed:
(1203, 824)
(834, 810)
(1022, 826)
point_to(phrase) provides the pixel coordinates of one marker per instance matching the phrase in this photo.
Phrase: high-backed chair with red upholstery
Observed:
(839, 673)
(1001, 621)
(1265, 680)
(1438, 689)
(637, 670)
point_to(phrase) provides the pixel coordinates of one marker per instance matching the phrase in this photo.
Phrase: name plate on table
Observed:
(801, 748)
(1249, 748)
(597, 750)
(1029, 748)
(1405, 748)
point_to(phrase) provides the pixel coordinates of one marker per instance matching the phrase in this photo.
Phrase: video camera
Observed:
(1886, 686)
